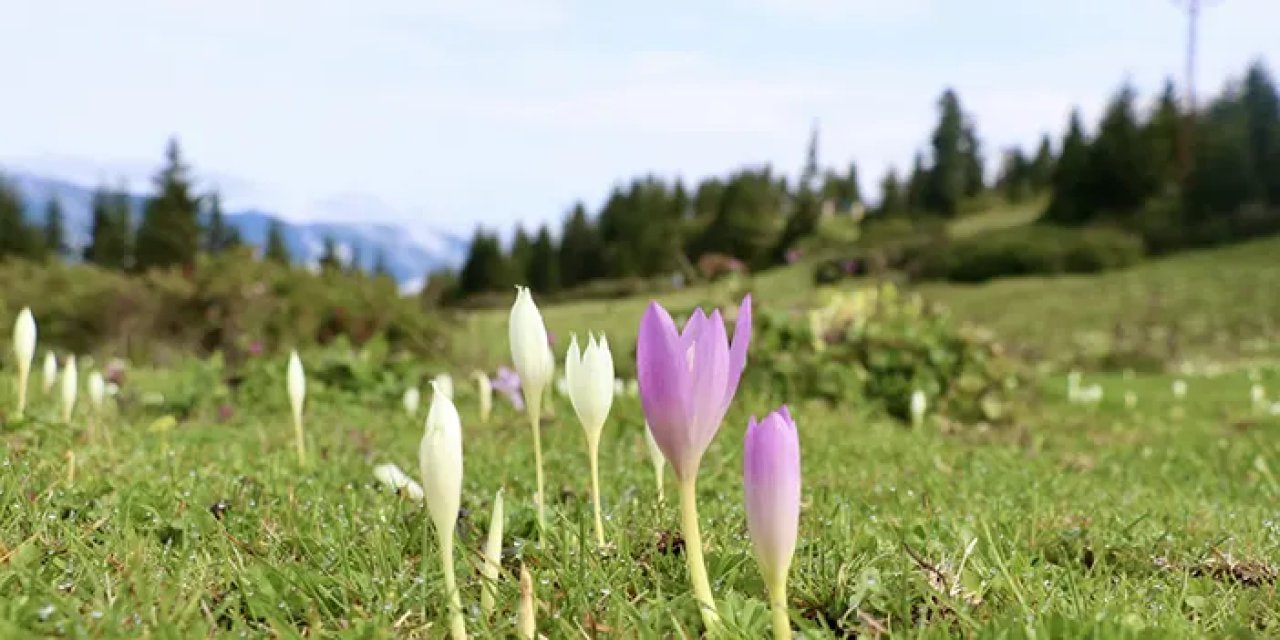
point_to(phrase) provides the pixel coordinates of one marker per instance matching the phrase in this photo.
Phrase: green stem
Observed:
(778, 603)
(534, 400)
(693, 553)
(23, 374)
(593, 450)
(457, 626)
(662, 489)
(299, 439)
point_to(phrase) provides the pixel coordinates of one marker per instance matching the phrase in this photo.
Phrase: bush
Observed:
(231, 303)
(1031, 250)
(873, 345)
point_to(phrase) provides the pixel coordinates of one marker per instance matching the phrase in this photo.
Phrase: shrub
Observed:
(1031, 250)
(230, 303)
(874, 345)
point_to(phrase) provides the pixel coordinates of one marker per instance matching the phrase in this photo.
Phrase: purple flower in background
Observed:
(771, 486)
(687, 379)
(225, 412)
(255, 348)
(792, 256)
(551, 338)
(851, 267)
(507, 381)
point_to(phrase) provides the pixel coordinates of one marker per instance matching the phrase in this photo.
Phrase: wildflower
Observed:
(771, 484)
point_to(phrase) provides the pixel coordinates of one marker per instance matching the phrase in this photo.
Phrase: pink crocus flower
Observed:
(771, 487)
(687, 380)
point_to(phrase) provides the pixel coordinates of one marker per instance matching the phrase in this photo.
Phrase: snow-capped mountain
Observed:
(410, 251)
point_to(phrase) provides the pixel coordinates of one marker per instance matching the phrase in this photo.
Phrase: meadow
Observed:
(1145, 514)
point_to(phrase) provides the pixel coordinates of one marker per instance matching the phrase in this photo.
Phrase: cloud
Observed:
(861, 10)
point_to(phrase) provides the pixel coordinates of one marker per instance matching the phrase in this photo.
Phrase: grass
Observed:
(1157, 521)
(1099, 522)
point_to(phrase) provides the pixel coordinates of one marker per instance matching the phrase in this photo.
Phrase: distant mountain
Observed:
(410, 253)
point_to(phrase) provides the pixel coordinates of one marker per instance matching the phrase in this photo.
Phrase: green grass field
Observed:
(1156, 521)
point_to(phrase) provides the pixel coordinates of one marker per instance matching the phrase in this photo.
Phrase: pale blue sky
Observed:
(445, 113)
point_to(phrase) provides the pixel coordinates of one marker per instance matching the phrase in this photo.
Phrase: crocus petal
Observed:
(771, 485)
(705, 406)
(738, 350)
(663, 375)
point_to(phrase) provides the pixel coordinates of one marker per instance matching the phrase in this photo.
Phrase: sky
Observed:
(453, 114)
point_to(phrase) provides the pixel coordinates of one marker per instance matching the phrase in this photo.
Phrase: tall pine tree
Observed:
(219, 235)
(581, 251)
(169, 234)
(544, 268)
(17, 238)
(55, 242)
(111, 229)
(276, 251)
(1071, 200)
(950, 176)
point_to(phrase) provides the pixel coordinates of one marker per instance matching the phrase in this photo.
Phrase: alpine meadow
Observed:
(1021, 392)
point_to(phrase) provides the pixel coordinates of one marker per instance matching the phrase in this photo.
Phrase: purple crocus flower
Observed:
(687, 379)
(507, 381)
(771, 484)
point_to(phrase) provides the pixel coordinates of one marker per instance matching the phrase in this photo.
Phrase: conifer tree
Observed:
(169, 234)
(55, 243)
(276, 251)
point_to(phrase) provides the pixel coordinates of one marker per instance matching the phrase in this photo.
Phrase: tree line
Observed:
(1174, 177)
(169, 227)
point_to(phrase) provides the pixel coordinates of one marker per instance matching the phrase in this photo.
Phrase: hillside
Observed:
(1214, 302)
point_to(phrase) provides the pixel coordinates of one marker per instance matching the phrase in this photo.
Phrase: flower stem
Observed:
(535, 421)
(299, 439)
(593, 450)
(693, 553)
(662, 489)
(23, 374)
(457, 626)
(778, 603)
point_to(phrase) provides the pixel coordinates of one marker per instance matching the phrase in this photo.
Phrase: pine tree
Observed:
(746, 225)
(1161, 137)
(809, 174)
(892, 198)
(1071, 200)
(802, 222)
(1261, 105)
(276, 251)
(330, 261)
(55, 244)
(974, 172)
(485, 269)
(355, 265)
(950, 176)
(581, 251)
(111, 229)
(918, 186)
(844, 191)
(219, 236)
(1120, 177)
(17, 238)
(544, 268)
(170, 231)
(380, 268)
(521, 249)
(1042, 165)
(1015, 180)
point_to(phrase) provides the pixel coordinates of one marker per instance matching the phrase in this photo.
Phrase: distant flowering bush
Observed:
(875, 344)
